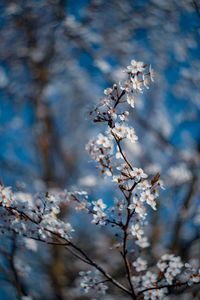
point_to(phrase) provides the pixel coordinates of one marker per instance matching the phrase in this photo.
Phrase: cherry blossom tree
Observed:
(53, 68)
(37, 217)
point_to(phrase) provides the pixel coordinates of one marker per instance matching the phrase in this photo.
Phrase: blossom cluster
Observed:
(170, 265)
(107, 151)
(170, 270)
(92, 281)
(138, 77)
(36, 217)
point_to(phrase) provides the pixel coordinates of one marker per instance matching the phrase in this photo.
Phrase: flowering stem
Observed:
(124, 254)
(83, 256)
(89, 261)
(17, 282)
(121, 151)
(126, 262)
(177, 284)
(119, 97)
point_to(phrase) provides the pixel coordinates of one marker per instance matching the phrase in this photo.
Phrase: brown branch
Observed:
(197, 8)
(125, 240)
(100, 269)
(17, 281)
(121, 151)
(84, 257)
(182, 213)
(175, 285)
(119, 97)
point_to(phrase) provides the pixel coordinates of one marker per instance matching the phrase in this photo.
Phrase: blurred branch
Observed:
(196, 6)
(16, 168)
(182, 215)
(48, 139)
(20, 287)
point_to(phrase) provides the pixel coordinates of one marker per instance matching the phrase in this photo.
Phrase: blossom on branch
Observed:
(38, 217)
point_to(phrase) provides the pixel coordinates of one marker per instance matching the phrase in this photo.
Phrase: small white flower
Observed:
(30, 244)
(92, 281)
(131, 136)
(135, 67)
(131, 100)
(148, 198)
(99, 205)
(127, 86)
(119, 205)
(124, 116)
(143, 242)
(107, 172)
(119, 130)
(6, 196)
(162, 265)
(138, 207)
(118, 155)
(149, 279)
(158, 294)
(104, 141)
(137, 84)
(136, 231)
(99, 218)
(137, 174)
(171, 266)
(108, 91)
(143, 185)
(104, 101)
(136, 281)
(140, 264)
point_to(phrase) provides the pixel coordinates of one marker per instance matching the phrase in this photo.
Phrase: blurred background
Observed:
(56, 58)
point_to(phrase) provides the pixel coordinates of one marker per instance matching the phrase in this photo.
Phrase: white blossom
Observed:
(108, 91)
(99, 205)
(138, 207)
(148, 198)
(104, 141)
(137, 84)
(136, 231)
(6, 196)
(149, 279)
(143, 242)
(143, 185)
(140, 264)
(131, 136)
(99, 217)
(135, 67)
(171, 266)
(92, 281)
(119, 130)
(156, 294)
(30, 244)
(137, 174)
(131, 100)
(124, 116)
(126, 86)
